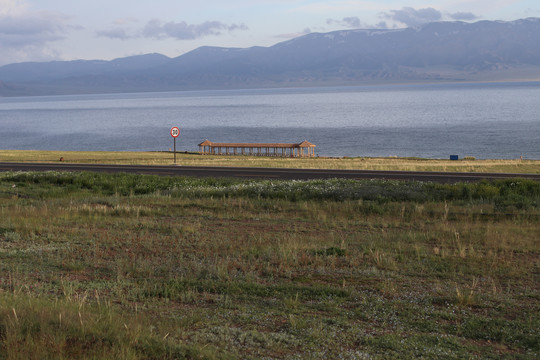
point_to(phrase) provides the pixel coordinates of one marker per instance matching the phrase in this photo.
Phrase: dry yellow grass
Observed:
(165, 158)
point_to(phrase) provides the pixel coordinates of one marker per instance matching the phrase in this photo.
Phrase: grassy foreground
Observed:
(97, 266)
(164, 158)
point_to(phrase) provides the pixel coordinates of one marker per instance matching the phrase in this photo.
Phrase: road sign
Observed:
(175, 132)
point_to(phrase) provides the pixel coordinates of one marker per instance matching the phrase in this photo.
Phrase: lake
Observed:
(484, 120)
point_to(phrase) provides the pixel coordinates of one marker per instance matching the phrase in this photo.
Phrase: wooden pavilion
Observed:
(303, 149)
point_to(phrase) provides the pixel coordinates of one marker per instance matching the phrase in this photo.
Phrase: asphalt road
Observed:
(265, 173)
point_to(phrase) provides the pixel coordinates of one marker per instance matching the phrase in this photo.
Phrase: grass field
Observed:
(97, 266)
(163, 158)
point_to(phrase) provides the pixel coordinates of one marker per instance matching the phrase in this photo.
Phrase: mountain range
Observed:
(440, 51)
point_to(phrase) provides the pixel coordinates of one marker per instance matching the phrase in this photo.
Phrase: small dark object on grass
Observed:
(62, 158)
(331, 251)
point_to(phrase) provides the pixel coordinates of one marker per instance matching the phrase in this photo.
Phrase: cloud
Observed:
(412, 17)
(120, 30)
(306, 31)
(117, 33)
(20, 27)
(351, 22)
(162, 30)
(125, 21)
(12, 7)
(417, 17)
(28, 35)
(355, 23)
(465, 16)
(184, 31)
(33, 28)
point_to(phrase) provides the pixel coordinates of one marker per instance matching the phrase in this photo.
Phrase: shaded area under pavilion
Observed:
(303, 149)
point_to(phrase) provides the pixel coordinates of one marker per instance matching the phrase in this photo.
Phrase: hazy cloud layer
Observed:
(417, 17)
(176, 30)
(10, 7)
(32, 29)
(306, 31)
(184, 31)
(464, 16)
(407, 16)
(116, 33)
(29, 35)
(351, 21)
(412, 17)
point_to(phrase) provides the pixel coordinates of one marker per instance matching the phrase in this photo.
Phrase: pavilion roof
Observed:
(257, 145)
(305, 143)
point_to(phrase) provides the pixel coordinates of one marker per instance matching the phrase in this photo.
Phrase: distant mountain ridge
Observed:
(441, 51)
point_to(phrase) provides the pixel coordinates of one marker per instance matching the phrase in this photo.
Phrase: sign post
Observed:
(174, 133)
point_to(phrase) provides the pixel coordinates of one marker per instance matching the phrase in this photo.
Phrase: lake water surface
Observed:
(490, 120)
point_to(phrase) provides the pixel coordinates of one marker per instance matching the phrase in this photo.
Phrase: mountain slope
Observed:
(32, 71)
(444, 51)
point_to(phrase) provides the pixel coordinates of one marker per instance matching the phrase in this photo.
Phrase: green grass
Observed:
(101, 266)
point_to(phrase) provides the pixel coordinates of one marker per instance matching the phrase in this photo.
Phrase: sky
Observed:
(46, 30)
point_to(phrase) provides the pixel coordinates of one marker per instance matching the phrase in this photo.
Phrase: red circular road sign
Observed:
(175, 132)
